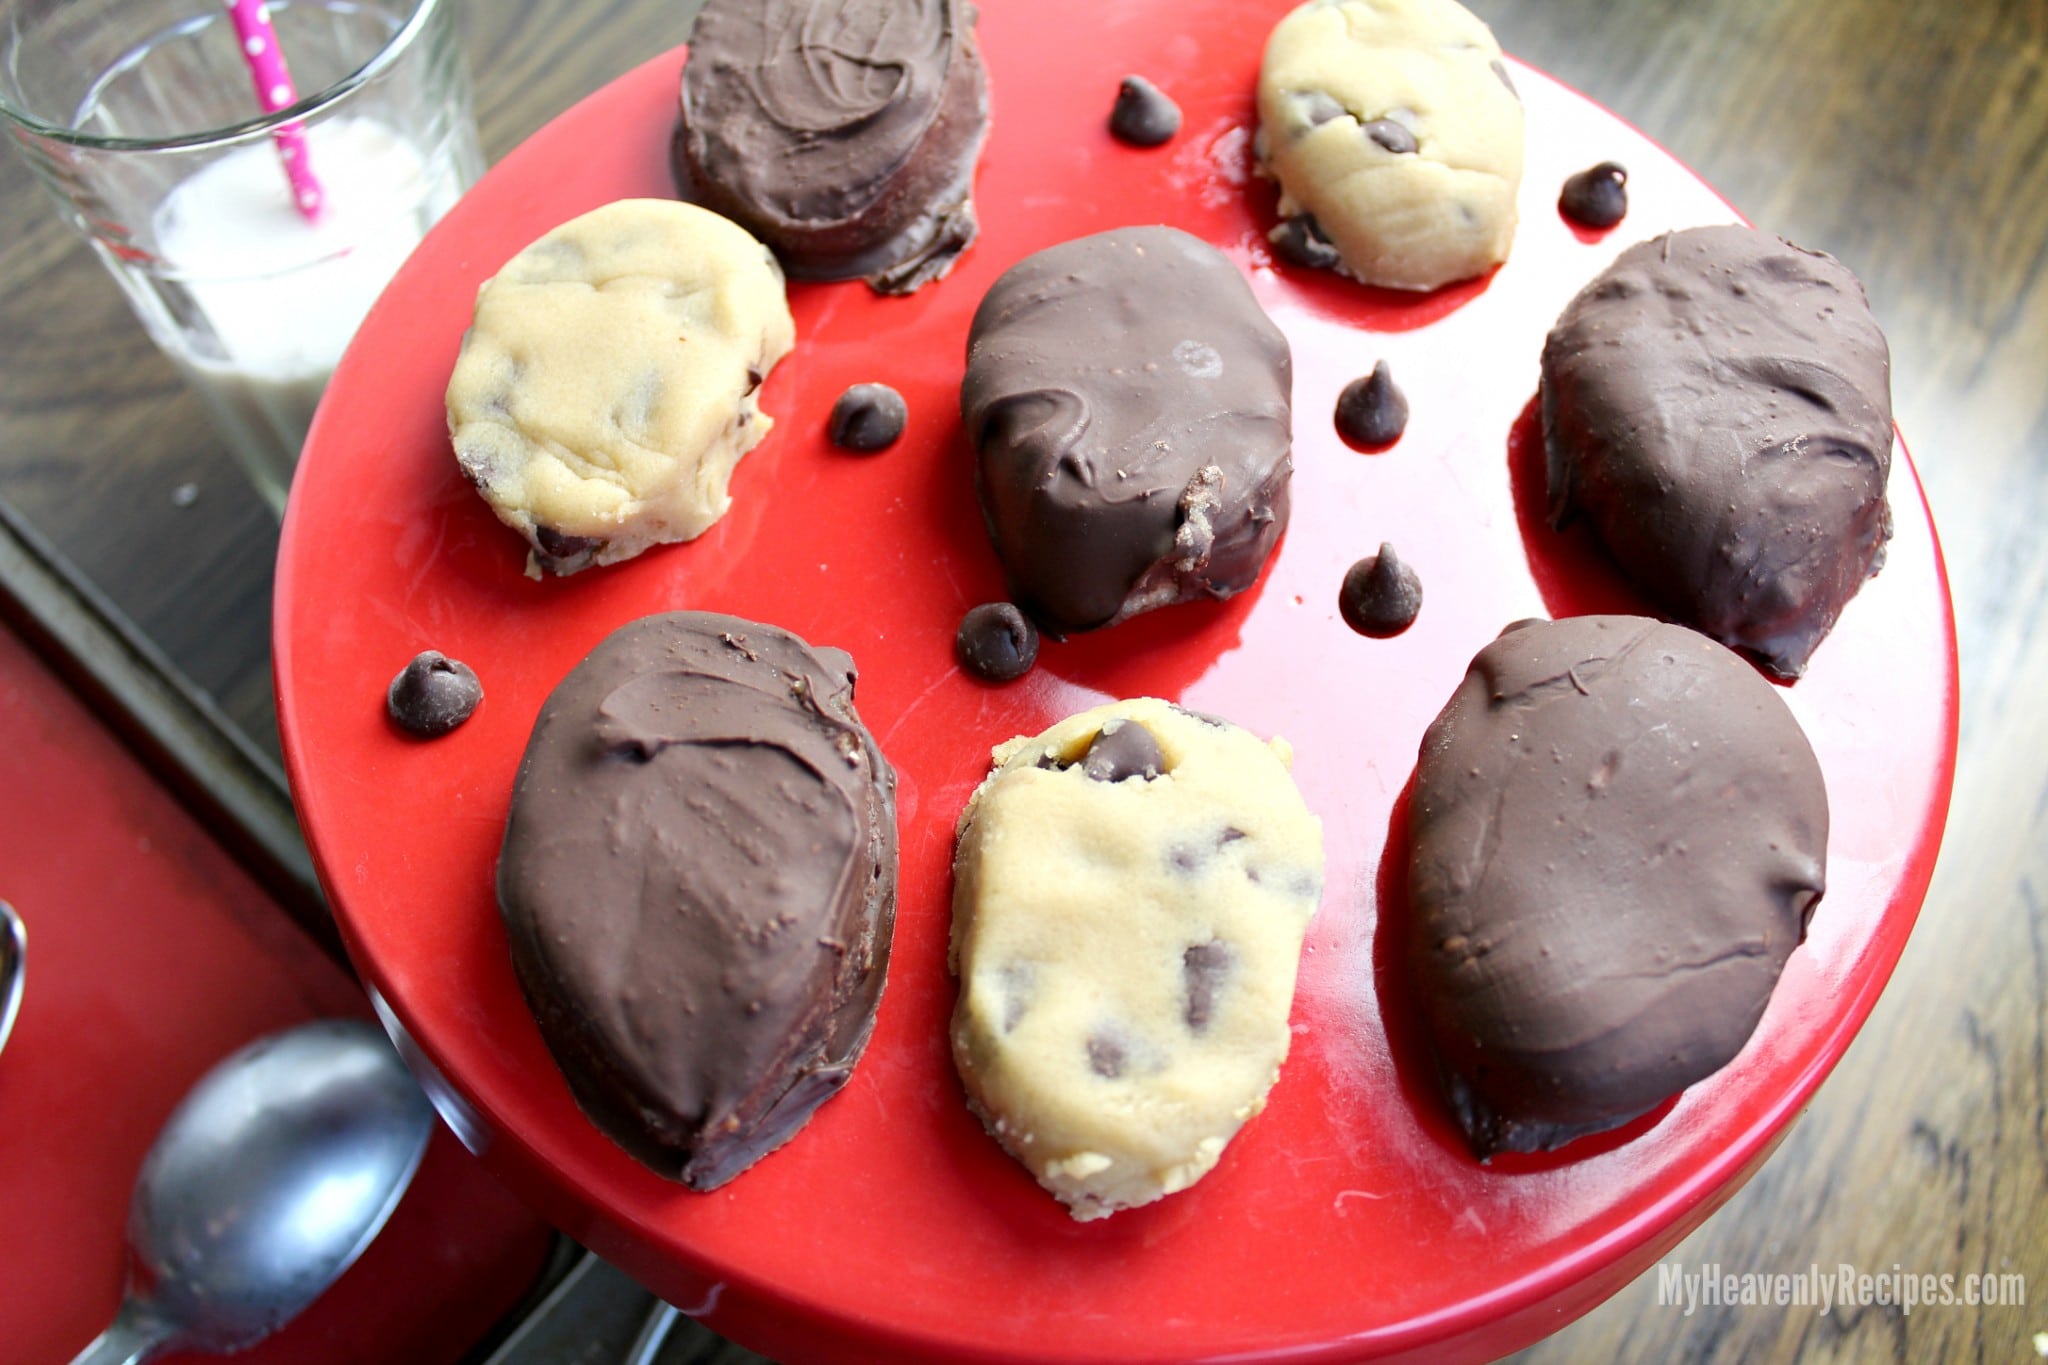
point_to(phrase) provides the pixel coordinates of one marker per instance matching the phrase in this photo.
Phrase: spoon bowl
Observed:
(265, 1184)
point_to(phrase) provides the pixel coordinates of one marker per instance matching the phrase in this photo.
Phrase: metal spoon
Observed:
(265, 1184)
(13, 967)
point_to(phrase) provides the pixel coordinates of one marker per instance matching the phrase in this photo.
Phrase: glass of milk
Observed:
(141, 119)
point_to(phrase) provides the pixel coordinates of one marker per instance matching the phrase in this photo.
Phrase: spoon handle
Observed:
(653, 1335)
(13, 966)
(135, 1335)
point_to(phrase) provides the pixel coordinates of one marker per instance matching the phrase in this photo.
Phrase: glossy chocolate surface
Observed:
(843, 133)
(1718, 406)
(1128, 401)
(1618, 831)
(698, 880)
(433, 694)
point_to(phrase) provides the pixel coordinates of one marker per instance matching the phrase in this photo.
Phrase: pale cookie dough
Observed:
(1396, 137)
(1130, 891)
(606, 388)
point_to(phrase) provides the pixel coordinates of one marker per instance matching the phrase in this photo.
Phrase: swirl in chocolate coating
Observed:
(698, 881)
(843, 133)
(1128, 403)
(1718, 406)
(1618, 831)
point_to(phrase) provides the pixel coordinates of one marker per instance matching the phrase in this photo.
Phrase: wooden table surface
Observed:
(1909, 139)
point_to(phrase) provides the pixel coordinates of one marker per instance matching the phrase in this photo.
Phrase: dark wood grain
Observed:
(1910, 139)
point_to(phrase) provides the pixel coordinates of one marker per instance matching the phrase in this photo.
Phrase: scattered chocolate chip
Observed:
(1372, 412)
(1391, 136)
(1143, 116)
(1105, 1056)
(1381, 595)
(433, 694)
(997, 642)
(867, 418)
(1500, 69)
(754, 378)
(1301, 241)
(1204, 967)
(1316, 107)
(1123, 749)
(1595, 198)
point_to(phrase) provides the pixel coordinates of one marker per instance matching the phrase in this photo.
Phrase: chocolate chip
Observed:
(1316, 107)
(1106, 1056)
(867, 418)
(1301, 241)
(1392, 136)
(754, 378)
(555, 545)
(1595, 198)
(1143, 116)
(1381, 595)
(433, 694)
(1019, 983)
(997, 642)
(1500, 69)
(1204, 968)
(1123, 749)
(1372, 412)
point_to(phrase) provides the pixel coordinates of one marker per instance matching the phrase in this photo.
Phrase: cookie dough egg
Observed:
(1131, 889)
(1396, 138)
(606, 389)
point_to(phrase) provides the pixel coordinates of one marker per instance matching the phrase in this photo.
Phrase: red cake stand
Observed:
(1347, 1221)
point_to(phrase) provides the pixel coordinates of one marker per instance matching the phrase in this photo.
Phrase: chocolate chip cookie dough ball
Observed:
(698, 882)
(605, 390)
(1618, 832)
(1129, 405)
(1395, 137)
(1130, 893)
(1717, 406)
(843, 132)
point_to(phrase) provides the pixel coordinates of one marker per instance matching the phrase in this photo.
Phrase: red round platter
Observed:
(1347, 1221)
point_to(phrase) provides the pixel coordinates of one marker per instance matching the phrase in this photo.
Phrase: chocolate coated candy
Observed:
(1128, 402)
(997, 642)
(1372, 412)
(1595, 198)
(843, 133)
(698, 885)
(1381, 595)
(867, 418)
(1144, 116)
(1717, 405)
(1617, 833)
(433, 694)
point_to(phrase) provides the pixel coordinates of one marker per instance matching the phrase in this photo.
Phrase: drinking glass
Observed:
(142, 119)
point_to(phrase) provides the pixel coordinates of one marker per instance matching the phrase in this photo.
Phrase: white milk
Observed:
(269, 300)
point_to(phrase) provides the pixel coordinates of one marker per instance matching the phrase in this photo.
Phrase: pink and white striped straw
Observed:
(274, 91)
